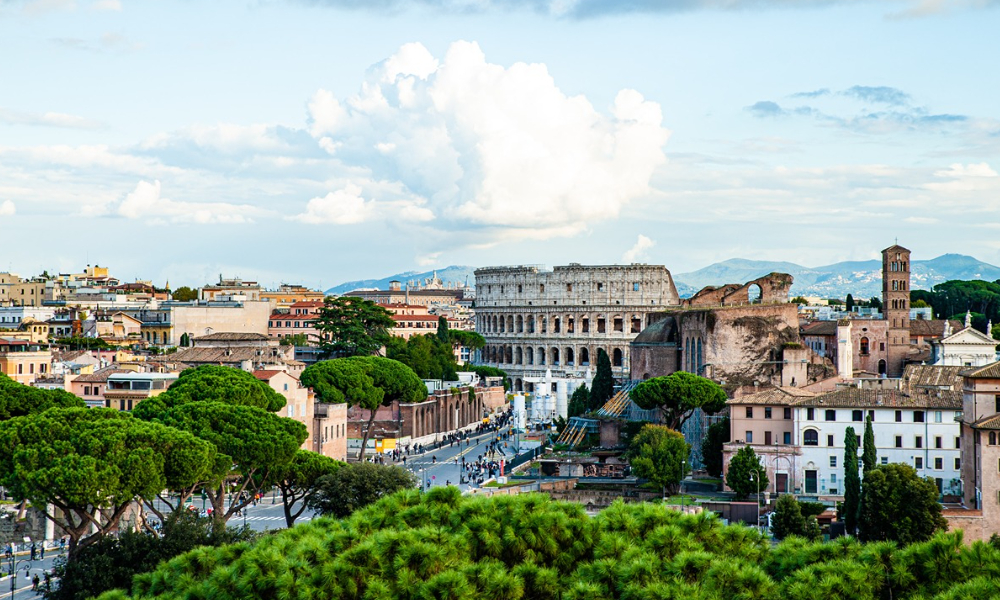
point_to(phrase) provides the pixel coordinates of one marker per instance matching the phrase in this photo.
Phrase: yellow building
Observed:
(23, 361)
(287, 295)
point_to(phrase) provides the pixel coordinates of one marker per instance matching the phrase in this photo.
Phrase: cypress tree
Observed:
(869, 455)
(603, 386)
(852, 482)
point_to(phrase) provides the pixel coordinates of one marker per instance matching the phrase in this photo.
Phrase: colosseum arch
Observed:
(510, 355)
(510, 323)
(617, 357)
(530, 355)
(556, 325)
(584, 356)
(503, 323)
(520, 324)
(518, 356)
(554, 355)
(541, 355)
(531, 323)
(545, 325)
(568, 355)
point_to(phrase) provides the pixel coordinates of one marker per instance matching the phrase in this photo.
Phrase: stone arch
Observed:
(530, 355)
(700, 358)
(568, 356)
(545, 325)
(584, 356)
(518, 355)
(510, 323)
(554, 356)
(556, 325)
(503, 323)
(570, 324)
(882, 368)
(517, 384)
(510, 355)
(541, 355)
(617, 357)
(754, 293)
(531, 323)
(520, 324)
(864, 347)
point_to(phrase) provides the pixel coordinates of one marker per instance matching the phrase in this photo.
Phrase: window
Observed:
(749, 412)
(938, 442)
(831, 415)
(997, 400)
(939, 463)
(635, 287)
(833, 478)
(958, 442)
(600, 286)
(857, 415)
(749, 437)
(811, 437)
(810, 414)
(767, 412)
(937, 416)
(899, 441)
(871, 416)
(864, 346)
(899, 416)
(833, 462)
(569, 287)
(919, 441)
(993, 436)
(829, 440)
(958, 464)
(811, 482)
(788, 413)
(885, 460)
(918, 416)
(918, 462)
(787, 437)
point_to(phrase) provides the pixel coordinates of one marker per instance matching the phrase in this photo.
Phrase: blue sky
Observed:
(318, 141)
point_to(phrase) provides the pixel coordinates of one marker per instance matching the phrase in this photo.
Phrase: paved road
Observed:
(38, 566)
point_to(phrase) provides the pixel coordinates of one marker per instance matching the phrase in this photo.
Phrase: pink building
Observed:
(297, 321)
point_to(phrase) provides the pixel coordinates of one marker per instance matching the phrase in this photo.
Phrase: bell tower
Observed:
(896, 306)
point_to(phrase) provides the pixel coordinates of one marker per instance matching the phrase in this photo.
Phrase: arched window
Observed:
(864, 347)
(616, 357)
(555, 325)
(569, 356)
(520, 324)
(503, 323)
(882, 367)
(754, 294)
(517, 355)
(584, 356)
(810, 437)
(555, 356)
(531, 324)
(541, 356)
(530, 358)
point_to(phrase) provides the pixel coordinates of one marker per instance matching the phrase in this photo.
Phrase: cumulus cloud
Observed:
(47, 119)
(7, 208)
(103, 5)
(348, 206)
(638, 251)
(146, 203)
(490, 146)
(881, 94)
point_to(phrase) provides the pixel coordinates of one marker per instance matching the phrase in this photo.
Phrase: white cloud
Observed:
(7, 208)
(970, 170)
(491, 146)
(102, 5)
(34, 7)
(47, 119)
(638, 251)
(348, 206)
(146, 203)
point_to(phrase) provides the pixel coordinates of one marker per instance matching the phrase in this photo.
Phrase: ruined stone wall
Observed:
(770, 289)
(534, 320)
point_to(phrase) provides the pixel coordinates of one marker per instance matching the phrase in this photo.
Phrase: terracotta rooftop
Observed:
(231, 337)
(922, 378)
(990, 422)
(852, 397)
(100, 375)
(267, 374)
(931, 327)
(233, 355)
(990, 371)
(820, 328)
(786, 396)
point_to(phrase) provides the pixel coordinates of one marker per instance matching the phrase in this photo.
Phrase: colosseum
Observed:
(534, 319)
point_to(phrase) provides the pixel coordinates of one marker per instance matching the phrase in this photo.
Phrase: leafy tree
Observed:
(852, 482)
(299, 482)
(660, 455)
(869, 456)
(364, 381)
(213, 383)
(257, 446)
(111, 562)
(678, 395)
(875, 302)
(18, 400)
(469, 339)
(357, 485)
(849, 303)
(578, 401)
(442, 331)
(92, 464)
(298, 339)
(427, 355)
(919, 304)
(350, 326)
(602, 388)
(185, 340)
(898, 505)
(801, 300)
(184, 294)
(788, 519)
(83, 343)
(746, 474)
(485, 371)
(711, 446)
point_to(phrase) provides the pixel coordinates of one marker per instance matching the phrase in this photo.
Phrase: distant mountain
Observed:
(863, 279)
(458, 275)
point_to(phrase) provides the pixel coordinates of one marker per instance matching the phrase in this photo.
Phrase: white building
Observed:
(967, 347)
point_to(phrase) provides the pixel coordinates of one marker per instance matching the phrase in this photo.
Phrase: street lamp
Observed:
(13, 565)
(756, 477)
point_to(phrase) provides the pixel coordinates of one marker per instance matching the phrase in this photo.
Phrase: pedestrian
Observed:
(48, 582)
(43, 550)
(34, 582)
(34, 551)
(62, 544)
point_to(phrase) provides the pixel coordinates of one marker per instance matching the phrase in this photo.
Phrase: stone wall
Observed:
(770, 289)
(442, 412)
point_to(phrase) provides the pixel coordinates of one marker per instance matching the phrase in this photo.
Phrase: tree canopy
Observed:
(350, 326)
(213, 383)
(712, 446)
(299, 481)
(17, 400)
(678, 395)
(527, 547)
(184, 294)
(746, 474)
(364, 381)
(602, 388)
(427, 355)
(852, 482)
(660, 455)
(578, 401)
(898, 505)
(952, 299)
(869, 456)
(357, 485)
(788, 519)
(93, 463)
